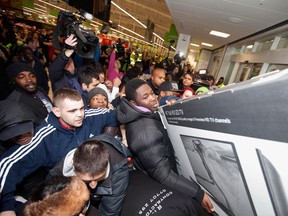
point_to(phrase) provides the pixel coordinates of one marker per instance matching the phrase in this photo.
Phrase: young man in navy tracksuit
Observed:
(64, 129)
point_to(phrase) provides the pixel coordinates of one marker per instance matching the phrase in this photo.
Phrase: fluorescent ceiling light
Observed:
(128, 14)
(158, 36)
(192, 44)
(130, 31)
(130, 36)
(219, 34)
(161, 46)
(249, 46)
(206, 44)
(46, 3)
(33, 11)
(40, 5)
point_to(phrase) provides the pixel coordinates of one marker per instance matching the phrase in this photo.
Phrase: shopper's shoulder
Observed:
(90, 113)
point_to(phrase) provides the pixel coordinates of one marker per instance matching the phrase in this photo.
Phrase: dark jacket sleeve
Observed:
(42, 77)
(154, 159)
(13, 169)
(111, 205)
(56, 68)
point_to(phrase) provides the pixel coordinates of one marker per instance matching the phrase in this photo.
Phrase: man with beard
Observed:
(65, 128)
(156, 79)
(26, 91)
(26, 56)
(151, 147)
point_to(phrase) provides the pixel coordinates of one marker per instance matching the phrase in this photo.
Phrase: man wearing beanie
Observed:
(26, 92)
(97, 98)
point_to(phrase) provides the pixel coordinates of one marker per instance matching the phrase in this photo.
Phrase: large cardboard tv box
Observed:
(234, 143)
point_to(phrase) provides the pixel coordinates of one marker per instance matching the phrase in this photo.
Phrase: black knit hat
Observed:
(16, 68)
(95, 91)
(169, 86)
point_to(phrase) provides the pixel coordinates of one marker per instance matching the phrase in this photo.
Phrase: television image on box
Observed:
(274, 183)
(217, 168)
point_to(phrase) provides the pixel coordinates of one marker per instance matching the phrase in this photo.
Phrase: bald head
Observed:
(158, 76)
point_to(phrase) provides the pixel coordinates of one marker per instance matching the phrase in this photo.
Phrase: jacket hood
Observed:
(127, 113)
(68, 168)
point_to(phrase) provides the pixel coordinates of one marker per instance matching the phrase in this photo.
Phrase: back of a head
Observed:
(65, 93)
(91, 150)
(63, 196)
(97, 66)
(132, 86)
(133, 72)
(201, 90)
(140, 66)
(86, 76)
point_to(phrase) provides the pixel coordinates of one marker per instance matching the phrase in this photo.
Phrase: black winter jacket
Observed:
(61, 78)
(152, 149)
(112, 190)
(33, 103)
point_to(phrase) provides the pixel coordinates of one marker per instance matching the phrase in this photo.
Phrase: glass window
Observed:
(237, 50)
(248, 49)
(247, 71)
(266, 45)
(283, 43)
(255, 70)
(274, 67)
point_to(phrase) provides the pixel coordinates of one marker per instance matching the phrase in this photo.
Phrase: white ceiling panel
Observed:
(198, 17)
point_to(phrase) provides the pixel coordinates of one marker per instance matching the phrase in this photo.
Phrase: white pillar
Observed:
(183, 45)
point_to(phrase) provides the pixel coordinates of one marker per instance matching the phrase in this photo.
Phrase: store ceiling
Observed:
(197, 18)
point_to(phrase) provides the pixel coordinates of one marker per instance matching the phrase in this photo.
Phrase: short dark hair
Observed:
(97, 66)
(86, 76)
(91, 157)
(132, 86)
(23, 49)
(65, 93)
(29, 39)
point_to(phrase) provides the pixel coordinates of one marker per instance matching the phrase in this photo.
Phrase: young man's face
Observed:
(158, 77)
(28, 55)
(23, 139)
(71, 112)
(145, 97)
(26, 80)
(91, 85)
(187, 80)
(101, 77)
(98, 101)
(91, 181)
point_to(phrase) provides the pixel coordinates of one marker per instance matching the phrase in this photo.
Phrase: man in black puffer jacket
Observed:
(150, 145)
